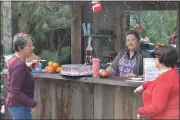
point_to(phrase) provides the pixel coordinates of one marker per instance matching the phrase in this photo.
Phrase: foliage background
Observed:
(158, 24)
(49, 24)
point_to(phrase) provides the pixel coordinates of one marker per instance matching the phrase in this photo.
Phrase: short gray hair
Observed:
(20, 41)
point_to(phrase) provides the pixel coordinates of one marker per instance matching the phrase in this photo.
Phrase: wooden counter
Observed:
(118, 81)
(85, 98)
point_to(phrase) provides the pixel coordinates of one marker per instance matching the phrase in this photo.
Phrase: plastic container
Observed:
(84, 28)
(43, 63)
(96, 67)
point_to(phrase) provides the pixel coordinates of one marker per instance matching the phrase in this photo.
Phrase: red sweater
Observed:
(20, 89)
(161, 96)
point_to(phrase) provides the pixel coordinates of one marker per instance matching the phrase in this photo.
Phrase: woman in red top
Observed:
(161, 96)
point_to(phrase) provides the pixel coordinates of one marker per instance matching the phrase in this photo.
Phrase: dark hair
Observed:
(134, 32)
(167, 55)
(20, 41)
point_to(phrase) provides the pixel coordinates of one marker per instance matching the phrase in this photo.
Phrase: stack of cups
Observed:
(96, 67)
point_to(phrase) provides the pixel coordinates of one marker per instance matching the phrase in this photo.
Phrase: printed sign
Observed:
(150, 70)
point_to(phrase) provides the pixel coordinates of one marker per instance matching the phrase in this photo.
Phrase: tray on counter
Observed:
(71, 75)
(76, 70)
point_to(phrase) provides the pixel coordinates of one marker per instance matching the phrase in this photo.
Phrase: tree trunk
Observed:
(6, 26)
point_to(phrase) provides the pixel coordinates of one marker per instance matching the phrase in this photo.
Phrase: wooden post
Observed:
(128, 22)
(76, 34)
(6, 26)
(98, 102)
(14, 19)
(178, 28)
(1, 21)
(119, 28)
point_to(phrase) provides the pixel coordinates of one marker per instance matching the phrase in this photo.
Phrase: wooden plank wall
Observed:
(119, 28)
(103, 20)
(111, 18)
(77, 100)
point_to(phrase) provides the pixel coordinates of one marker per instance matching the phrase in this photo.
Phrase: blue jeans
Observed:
(20, 112)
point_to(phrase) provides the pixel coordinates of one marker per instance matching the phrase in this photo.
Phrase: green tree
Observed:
(49, 24)
(159, 24)
(41, 19)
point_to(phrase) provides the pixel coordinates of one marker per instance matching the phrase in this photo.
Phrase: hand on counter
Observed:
(139, 116)
(132, 75)
(138, 90)
(111, 71)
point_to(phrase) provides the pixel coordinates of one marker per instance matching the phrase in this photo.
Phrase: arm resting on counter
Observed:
(146, 84)
(114, 67)
(110, 71)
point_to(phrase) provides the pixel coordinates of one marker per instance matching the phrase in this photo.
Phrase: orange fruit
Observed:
(50, 63)
(58, 69)
(104, 73)
(46, 68)
(55, 65)
(51, 69)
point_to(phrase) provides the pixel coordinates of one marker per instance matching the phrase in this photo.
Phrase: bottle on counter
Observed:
(89, 52)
